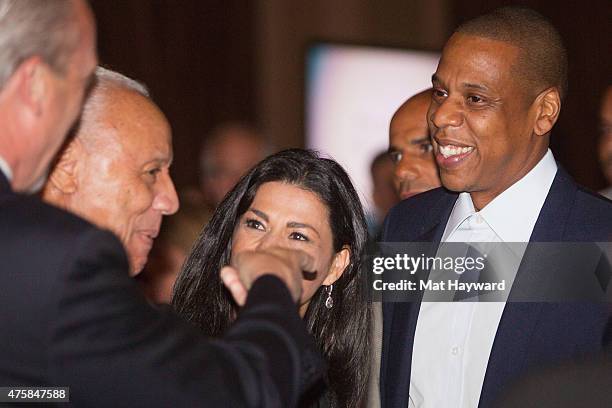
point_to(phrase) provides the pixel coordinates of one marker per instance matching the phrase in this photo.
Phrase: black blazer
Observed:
(529, 334)
(71, 316)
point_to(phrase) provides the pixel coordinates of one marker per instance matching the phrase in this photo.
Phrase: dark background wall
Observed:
(208, 61)
(196, 57)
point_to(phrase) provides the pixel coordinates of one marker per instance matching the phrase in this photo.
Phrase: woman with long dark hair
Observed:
(294, 199)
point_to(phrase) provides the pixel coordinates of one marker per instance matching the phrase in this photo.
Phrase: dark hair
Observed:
(342, 332)
(543, 57)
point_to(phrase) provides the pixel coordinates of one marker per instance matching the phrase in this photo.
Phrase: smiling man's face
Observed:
(122, 171)
(481, 118)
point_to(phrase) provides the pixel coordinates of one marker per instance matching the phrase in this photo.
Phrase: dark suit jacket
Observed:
(529, 334)
(582, 383)
(71, 316)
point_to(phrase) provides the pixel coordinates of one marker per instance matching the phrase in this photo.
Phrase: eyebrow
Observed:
(290, 224)
(474, 86)
(293, 224)
(435, 78)
(161, 161)
(394, 149)
(260, 214)
(419, 141)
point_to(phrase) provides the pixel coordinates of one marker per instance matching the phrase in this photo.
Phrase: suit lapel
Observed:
(400, 319)
(519, 319)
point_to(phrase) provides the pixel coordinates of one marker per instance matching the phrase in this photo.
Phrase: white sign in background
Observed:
(352, 92)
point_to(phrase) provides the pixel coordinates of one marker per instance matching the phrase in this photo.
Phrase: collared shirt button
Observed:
(455, 350)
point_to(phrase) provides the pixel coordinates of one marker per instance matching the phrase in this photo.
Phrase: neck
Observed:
(481, 199)
(12, 146)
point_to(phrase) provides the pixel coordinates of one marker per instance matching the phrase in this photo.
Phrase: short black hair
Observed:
(543, 57)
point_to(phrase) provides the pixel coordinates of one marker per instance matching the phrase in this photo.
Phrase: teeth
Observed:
(450, 150)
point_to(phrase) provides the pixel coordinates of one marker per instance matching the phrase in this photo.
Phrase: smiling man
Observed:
(115, 170)
(497, 94)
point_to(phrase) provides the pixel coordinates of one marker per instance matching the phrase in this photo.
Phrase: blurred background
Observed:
(208, 62)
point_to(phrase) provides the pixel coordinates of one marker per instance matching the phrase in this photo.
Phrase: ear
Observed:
(548, 107)
(64, 175)
(32, 82)
(339, 264)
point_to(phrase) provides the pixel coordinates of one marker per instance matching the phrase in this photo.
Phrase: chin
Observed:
(136, 267)
(454, 183)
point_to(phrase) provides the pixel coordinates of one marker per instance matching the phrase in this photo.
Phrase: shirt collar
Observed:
(6, 169)
(512, 214)
(463, 208)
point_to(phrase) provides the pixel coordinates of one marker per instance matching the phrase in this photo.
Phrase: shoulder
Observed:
(38, 234)
(420, 204)
(420, 213)
(593, 214)
(21, 213)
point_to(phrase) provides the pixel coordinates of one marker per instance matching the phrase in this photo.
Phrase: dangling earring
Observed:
(329, 302)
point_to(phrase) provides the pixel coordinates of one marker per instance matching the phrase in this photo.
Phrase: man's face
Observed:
(411, 150)
(228, 160)
(480, 119)
(67, 91)
(605, 141)
(124, 183)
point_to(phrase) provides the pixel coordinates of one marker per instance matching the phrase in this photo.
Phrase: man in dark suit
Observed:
(69, 313)
(497, 95)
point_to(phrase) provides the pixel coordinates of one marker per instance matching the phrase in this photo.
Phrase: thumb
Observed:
(231, 280)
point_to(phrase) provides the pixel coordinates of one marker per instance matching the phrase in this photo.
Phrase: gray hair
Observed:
(106, 78)
(44, 28)
(105, 81)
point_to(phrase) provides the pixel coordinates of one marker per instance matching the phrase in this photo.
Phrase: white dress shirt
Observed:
(453, 340)
(6, 169)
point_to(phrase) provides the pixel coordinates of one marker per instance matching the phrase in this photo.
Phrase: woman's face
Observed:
(288, 216)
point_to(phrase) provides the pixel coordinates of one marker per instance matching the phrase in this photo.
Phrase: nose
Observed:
(270, 240)
(446, 113)
(407, 169)
(166, 200)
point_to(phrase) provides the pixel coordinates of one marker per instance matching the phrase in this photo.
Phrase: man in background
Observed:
(227, 154)
(414, 172)
(410, 147)
(605, 139)
(114, 172)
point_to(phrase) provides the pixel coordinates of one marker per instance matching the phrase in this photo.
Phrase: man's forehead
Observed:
(482, 58)
(134, 136)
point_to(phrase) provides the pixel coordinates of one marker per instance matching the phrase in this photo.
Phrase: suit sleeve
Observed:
(114, 349)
